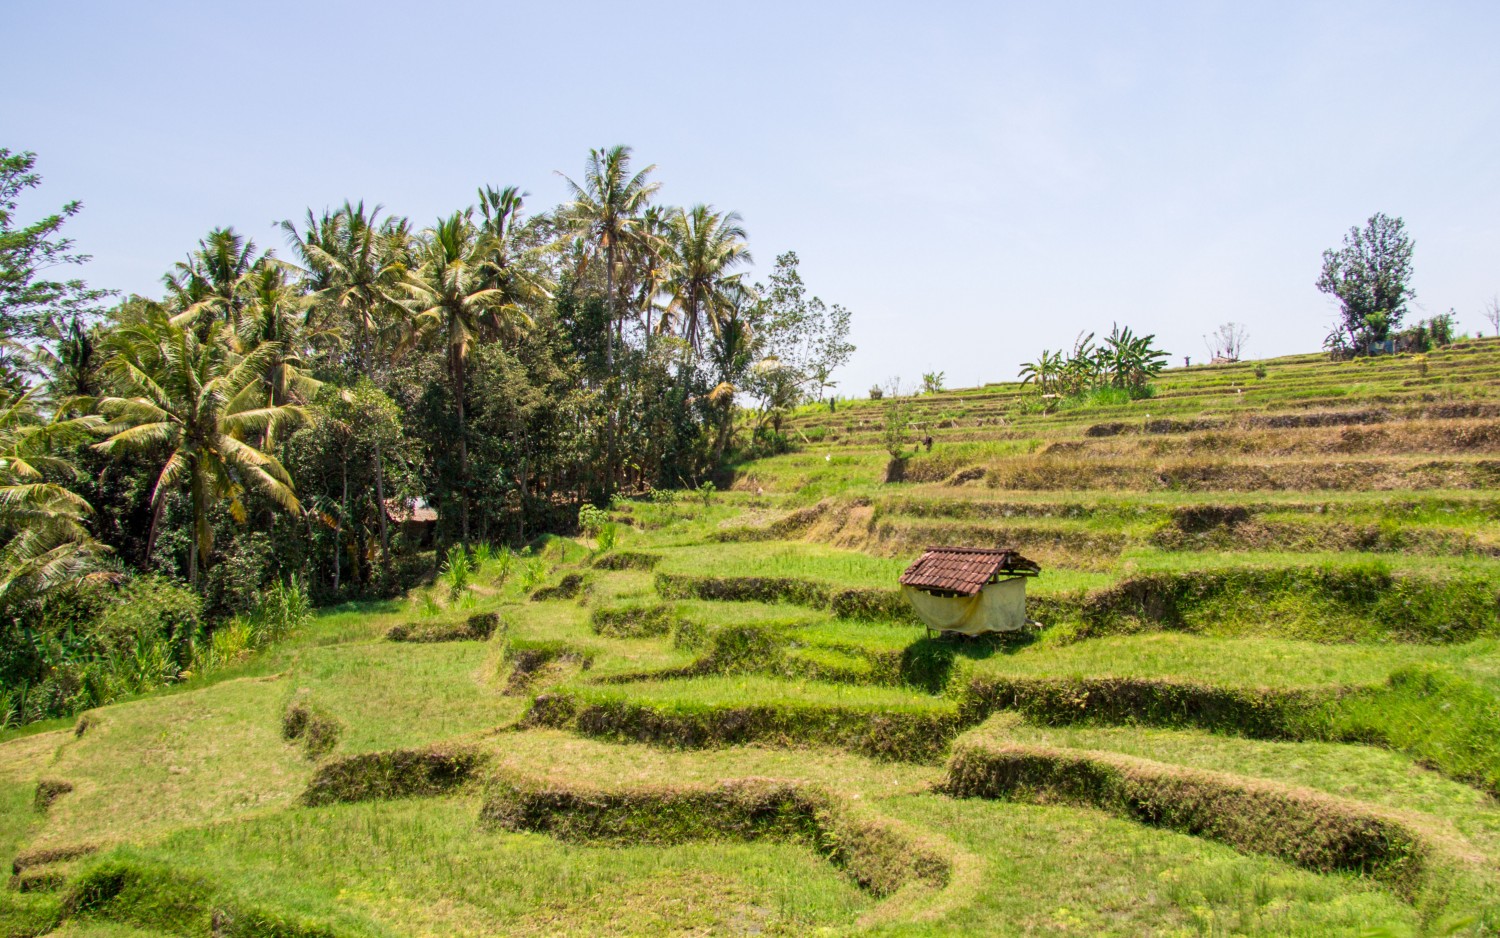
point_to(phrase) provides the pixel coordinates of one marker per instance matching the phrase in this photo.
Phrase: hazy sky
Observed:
(975, 181)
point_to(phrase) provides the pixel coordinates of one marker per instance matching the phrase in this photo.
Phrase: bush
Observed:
(477, 628)
(151, 606)
(567, 588)
(608, 534)
(895, 735)
(591, 520)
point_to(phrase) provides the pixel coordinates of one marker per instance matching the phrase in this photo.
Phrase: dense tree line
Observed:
(271, 414)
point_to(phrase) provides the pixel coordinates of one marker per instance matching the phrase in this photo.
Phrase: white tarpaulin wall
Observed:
(998, 607)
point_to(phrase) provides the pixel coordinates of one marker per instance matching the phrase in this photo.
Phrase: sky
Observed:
(976, 182)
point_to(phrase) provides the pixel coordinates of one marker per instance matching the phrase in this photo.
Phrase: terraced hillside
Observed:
(1265, 700)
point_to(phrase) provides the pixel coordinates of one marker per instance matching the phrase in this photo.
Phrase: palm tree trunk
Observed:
(385, 543)
(609, 305)
(609, 366)
(463, 451)
(156, 513)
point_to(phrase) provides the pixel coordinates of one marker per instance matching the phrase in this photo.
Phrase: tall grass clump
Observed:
(458, 572)
(608, 536)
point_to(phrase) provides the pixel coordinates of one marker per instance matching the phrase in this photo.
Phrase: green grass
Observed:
(429, 867)
(1362, 773)
(428, 692)
(1243, 662)
(1058, 870)
(707, 693)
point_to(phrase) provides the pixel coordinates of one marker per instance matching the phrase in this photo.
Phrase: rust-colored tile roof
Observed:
(964, 570)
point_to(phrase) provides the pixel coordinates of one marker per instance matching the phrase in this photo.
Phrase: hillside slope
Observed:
(1265, 700)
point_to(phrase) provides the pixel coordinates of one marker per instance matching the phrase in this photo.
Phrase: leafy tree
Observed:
(801, 332)
(1371, 277)
(29, 302)
(343, 485)
(178, 383)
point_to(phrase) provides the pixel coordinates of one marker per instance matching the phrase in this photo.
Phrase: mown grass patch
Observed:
(427, 692)
(432, 867)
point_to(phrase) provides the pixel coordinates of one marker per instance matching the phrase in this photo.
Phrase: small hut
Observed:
(417, 522)
(969, 590)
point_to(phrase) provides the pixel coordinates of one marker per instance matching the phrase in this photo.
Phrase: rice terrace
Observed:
(417, 520)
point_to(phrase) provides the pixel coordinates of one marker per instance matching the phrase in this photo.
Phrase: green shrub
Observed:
(626, 560)
(569, 587)
(892, 735)
(152, 606)
(476, 628)
(282, 609)
(318, 732)
(637, 621)
(592, 519)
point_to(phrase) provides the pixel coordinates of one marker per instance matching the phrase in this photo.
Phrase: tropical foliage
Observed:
(270, 431)
(1124, 362)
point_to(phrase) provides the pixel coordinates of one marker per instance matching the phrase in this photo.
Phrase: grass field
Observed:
(1265, 700)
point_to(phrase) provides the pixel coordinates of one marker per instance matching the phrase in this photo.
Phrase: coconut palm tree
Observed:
(72, 364)
(706, 246)
(451, 295)
(274, 319)
(507, 267)
(605, 212)
(43, 541)
(179, 383)
(212, 279)
(355, 267)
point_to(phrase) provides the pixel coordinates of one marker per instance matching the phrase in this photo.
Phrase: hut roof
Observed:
(965, 570)
(418, 512)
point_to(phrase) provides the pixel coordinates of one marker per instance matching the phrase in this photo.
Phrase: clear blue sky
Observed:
(975, 181)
